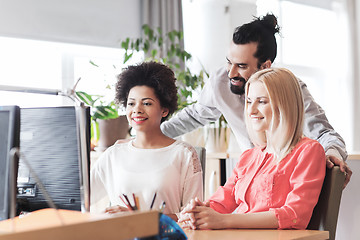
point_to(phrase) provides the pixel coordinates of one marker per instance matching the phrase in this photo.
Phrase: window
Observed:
(315, 47)
(29, 63)
(56, 66)
(99, 76)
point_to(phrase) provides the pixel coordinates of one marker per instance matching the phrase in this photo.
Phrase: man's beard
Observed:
(239, 90)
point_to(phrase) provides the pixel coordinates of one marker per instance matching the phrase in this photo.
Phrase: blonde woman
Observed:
(277, 183)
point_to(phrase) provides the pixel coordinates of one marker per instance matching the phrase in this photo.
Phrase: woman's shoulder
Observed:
(113, 151)
(190, 155)
(184, 145)
(306, 142)
(307, 146)
(118, 147)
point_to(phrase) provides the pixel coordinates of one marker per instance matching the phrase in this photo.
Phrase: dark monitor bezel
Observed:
(13, 142)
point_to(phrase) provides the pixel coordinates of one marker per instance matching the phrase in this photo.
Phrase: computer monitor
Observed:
(55, 142)
(9, 139)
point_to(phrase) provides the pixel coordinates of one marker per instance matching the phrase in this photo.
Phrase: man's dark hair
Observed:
(261, 31)
(151, 74)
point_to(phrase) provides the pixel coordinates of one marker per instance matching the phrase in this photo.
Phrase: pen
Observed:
(127, 200)
(152, 203)
(162, 207)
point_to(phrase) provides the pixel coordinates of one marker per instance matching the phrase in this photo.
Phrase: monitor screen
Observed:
(9, 138)
(55, 143)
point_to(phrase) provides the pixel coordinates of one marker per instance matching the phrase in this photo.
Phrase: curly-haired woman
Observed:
(151, 162)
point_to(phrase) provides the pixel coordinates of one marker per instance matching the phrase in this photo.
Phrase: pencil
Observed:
(129, 207)
(135, 203)
(153, 201)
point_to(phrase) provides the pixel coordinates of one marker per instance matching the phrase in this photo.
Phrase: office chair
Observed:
(325, 214)
(201, 151)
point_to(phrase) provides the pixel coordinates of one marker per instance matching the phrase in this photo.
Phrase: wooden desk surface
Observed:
(256, 234)
(73, 225)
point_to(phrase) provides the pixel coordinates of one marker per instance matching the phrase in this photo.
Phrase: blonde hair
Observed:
(286, 101)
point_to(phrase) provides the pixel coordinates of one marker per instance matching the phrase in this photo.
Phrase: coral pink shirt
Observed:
(290, 188)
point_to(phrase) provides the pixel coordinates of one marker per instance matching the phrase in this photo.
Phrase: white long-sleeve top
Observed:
(216, 98)
(173, 172)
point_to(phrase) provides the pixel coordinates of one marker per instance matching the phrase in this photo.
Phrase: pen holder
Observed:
(168, 229)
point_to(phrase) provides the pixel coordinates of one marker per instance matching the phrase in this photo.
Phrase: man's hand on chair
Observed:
(331, 161)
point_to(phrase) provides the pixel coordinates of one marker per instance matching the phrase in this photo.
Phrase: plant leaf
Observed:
(86, 98)
(92, 63)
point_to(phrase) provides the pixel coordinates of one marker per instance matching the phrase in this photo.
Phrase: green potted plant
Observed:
(107, 124)
(166, 48)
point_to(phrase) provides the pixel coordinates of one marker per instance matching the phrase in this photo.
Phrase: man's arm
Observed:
(199, 114)
(188, 119)
(317, 126)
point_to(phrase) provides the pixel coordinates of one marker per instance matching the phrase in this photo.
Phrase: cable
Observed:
(16, 151)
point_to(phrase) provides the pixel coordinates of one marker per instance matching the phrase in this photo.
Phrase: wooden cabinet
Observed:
(214, 172)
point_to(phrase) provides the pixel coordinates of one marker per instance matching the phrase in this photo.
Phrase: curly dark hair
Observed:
(151, 74)
(261, 30)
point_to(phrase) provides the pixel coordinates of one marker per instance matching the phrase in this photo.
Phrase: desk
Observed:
(250, 234)
(354, 156)
(73, 225)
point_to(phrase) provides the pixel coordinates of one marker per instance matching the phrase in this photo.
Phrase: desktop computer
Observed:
(54, 159)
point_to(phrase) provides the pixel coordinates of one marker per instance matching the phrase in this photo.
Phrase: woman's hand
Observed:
(208, 218)
(116, 209)
(187, 218)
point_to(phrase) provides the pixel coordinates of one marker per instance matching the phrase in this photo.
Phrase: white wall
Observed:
(348, 226)
(207, 35)
(93, 22)
(356, 89)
